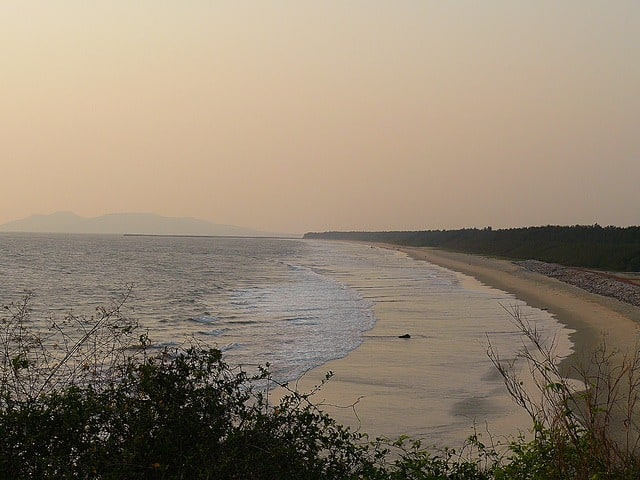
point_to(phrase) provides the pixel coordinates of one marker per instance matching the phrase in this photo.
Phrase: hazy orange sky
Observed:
(298, 115)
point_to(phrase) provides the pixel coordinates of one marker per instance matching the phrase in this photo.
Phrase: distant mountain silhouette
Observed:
(123, 223)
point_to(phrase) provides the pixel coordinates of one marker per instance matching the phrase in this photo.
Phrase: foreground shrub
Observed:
(182, 416)
(92, 399)
(103, 405)
(583, 429)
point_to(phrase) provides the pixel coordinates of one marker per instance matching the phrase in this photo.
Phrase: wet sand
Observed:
(591, 316)
(386, 372)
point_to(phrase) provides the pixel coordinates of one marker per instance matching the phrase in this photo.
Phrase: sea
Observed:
(292, 303)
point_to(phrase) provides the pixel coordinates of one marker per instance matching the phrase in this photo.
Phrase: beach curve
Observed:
(386, 406)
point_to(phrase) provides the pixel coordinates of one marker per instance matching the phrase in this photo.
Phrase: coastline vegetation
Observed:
(588, 246)
(92, 398)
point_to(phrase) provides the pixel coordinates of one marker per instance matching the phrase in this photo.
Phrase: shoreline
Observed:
(589, 315)
(386, 377)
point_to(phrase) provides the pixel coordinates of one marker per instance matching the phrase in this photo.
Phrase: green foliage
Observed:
(181, 415)
(589, 246)
(185, 413)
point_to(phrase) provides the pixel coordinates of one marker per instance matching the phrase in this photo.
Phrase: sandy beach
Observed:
(387, 376)
(590, 315)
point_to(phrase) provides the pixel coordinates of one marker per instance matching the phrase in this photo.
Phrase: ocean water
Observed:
(258, 300)
(293, 303)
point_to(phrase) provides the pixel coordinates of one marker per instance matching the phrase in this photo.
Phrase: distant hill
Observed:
(126, 223)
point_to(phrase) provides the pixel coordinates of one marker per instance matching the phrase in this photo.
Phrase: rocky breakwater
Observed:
(600, 283)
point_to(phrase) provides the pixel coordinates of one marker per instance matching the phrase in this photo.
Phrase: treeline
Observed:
(589, 246)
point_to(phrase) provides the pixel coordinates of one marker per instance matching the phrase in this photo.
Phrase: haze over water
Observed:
(289, 116)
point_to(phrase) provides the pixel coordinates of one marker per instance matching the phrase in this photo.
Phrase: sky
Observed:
(295, 116)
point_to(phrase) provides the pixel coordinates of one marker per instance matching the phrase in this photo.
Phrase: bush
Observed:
(93, 399)
(583, 429)
(91, 410)
(186, 415)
